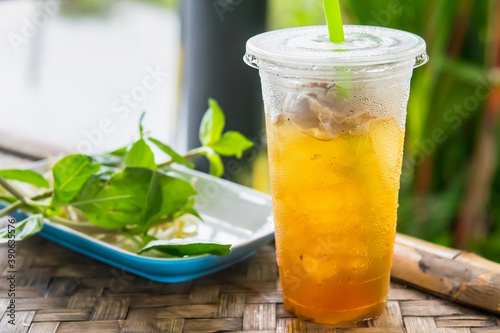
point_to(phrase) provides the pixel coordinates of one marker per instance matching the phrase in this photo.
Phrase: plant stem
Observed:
(43, 195)
(85, 227)
(21, 203)
(190, 154)
(11, 208)
(37, 204)
(15, 192)
(135, 240)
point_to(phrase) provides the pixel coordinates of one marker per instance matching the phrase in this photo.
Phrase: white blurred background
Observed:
(76, 79)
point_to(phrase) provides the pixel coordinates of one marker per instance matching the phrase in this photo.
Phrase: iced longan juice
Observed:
(335, 119)
(335, 209)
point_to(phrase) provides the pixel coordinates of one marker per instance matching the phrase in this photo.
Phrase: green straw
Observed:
(334, 21)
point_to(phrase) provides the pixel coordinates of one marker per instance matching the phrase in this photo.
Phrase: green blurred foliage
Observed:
(99, 7)
(286, 14)
(446, 108)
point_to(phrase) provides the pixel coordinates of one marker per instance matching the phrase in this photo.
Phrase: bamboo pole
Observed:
(449, 273)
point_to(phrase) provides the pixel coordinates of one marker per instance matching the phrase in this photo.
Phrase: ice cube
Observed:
(310, 116)
(318, 110)
(297, 107)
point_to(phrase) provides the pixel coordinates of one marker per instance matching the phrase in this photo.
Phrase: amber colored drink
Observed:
(335, 205)
(335, 120)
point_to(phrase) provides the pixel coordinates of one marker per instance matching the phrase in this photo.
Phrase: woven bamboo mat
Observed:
(59, 290)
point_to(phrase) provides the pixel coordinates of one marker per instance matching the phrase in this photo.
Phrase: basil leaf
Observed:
(188, 209)
(176, 158)
(119, 152)
(136, 196)
(25, 176)
(112, 159)
(109, 160)
(70, 173)
(153, 199)
(146, 239)
(232, 144)
(141, 128)
(212, 124)
(176, 194)
(216, 165)
(24, 229)
(128, 198)
(140, 155)
(187, 247)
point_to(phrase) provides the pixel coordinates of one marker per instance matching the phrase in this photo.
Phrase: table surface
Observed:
(59, 290)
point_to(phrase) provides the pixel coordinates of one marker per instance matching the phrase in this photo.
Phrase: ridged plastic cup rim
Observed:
(268, 51)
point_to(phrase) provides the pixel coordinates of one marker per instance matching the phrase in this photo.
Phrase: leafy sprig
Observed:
(126, 191)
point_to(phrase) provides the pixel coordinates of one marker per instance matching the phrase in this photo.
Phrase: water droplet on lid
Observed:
(316, 157)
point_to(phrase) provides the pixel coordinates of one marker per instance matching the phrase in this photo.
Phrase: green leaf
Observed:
(113, 159)
(472, 72)
(128, 198)
(188, 209)
(8, 199)
(147, 239)
(70, 173)
(232, 144)
(191, 211)
(141, 155)
(152, 199)
(109, 160)
(216, 165)
(176, 194)
(212, 124)
(25, 176)
(176, 158)
(52, 211)
(141, 128)
(136, 196)
(187, 247)
(118, 152)
(24, 229)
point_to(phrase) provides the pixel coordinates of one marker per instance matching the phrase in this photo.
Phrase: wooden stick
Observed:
(449, 273)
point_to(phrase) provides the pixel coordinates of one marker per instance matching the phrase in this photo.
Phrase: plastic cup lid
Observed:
(309, 48)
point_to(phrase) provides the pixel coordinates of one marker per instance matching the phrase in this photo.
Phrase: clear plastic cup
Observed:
(335, 119)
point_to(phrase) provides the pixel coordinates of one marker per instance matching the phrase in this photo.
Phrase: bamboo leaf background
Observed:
(450, 190)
